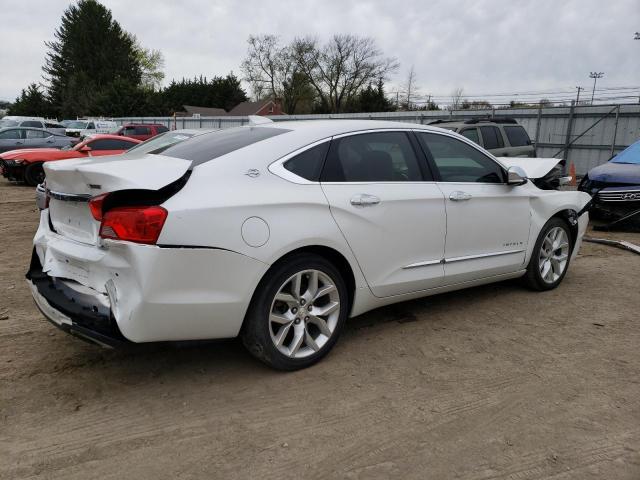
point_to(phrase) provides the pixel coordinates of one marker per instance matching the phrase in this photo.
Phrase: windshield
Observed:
(161, 141)
(77, 124)
(8, 123)
(631, 154)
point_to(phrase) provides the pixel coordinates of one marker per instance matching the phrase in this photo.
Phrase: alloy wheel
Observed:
(304, 313)
(554, 254)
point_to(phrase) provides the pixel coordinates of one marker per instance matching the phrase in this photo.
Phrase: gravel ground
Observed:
(494, 382)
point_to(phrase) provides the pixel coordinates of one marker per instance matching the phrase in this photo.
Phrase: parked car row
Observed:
(33, 122)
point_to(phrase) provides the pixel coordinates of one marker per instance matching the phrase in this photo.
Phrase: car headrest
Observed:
(379, 165)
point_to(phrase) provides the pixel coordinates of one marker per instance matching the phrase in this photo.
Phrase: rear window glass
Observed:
(517, 136)
(203, 148)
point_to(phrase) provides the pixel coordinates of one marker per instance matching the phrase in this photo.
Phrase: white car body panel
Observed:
(237, 215)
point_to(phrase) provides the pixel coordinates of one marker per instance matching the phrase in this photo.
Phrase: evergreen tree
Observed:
(90, 52)
(31, 102)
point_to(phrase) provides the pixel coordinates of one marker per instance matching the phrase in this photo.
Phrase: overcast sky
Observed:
(483, 46)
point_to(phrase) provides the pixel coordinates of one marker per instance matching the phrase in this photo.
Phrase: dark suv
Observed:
(503, 137)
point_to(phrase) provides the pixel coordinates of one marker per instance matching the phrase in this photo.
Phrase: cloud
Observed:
(484, 46)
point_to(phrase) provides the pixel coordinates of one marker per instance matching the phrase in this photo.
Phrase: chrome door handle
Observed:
(364, 200)
(459, 196)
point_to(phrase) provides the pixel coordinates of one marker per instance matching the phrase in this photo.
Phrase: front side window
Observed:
(13, 134)
(517, 136)
(471, 134)
(308, 164)
(129, 131)
(457, 161)
(372, 157)
(492, 138)
(161, 129)
(142, 131)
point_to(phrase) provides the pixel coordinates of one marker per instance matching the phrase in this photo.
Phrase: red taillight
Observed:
(134, 224)
(95, 205)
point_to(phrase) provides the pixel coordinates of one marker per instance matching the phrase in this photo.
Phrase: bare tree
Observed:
(409, 89)
(272, 71)
(339, 69)
(456, 98)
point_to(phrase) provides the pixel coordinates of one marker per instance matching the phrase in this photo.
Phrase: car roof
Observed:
(329, 128)
(142, 124)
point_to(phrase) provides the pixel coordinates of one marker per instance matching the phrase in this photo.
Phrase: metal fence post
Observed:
(615, 132)
(538, 122)
(567, 141)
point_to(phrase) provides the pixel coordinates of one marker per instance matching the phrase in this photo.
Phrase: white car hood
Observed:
(533, 167)
(118, 172)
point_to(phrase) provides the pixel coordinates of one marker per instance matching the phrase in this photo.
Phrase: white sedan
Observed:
(278, 232)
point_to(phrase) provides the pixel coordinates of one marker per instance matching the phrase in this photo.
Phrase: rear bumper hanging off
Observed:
(71, 312)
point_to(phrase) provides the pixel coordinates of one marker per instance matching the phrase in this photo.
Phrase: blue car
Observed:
(615, 185)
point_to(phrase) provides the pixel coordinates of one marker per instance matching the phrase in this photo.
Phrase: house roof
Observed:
(204, 111)
(249, 108)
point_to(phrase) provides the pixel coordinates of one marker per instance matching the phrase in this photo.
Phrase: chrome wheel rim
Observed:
(304, 313)
(554, 254)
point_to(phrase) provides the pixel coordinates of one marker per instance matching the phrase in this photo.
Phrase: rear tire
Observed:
(34, 174)
(550, 257)
(297, 313)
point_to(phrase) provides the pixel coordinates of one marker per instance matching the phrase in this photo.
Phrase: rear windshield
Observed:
(203, 148)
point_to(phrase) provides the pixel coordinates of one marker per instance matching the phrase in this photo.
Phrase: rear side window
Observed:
(471, 134)
(308, 164)
(161, 129)
(457, 161)
(492, 138)
(372, 157)
(110, 144)
(12, 134)
(37, 134)
(517, 136)
(203, 148)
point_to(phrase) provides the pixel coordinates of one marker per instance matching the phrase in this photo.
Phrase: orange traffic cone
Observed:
(572, 172)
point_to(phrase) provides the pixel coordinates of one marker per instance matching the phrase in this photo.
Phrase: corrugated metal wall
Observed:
(596, 131)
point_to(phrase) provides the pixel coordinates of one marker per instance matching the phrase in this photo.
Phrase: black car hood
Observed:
(625, 173)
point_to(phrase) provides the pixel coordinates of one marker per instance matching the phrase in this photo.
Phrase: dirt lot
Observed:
(493, 382)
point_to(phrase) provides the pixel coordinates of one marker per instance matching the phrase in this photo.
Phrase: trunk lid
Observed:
(72, 183)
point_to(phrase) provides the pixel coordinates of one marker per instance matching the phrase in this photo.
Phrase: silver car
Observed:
(15, 138)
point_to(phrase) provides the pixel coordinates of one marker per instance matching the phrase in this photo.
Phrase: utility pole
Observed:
(595, 76)
(578, 97)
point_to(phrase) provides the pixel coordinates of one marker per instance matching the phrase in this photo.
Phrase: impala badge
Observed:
(253, 173)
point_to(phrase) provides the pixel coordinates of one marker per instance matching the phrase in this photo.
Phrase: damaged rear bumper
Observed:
(71, 311)
(123, 292)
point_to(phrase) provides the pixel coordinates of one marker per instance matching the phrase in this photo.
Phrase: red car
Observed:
(26, 165)
(141, 131)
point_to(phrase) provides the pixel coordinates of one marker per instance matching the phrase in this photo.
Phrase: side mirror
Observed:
(85, 148)
(516, 176)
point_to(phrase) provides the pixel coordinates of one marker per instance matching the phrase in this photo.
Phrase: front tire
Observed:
(34, 174)
(551, 255)
(297, 313)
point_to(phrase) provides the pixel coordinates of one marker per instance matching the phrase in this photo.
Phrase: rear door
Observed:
(388, 208)
(487, 220)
